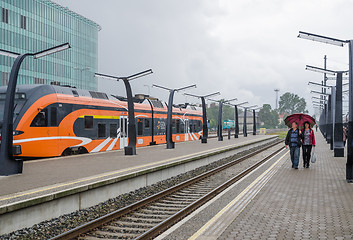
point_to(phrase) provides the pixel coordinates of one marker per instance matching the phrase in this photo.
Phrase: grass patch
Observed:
(281, 135)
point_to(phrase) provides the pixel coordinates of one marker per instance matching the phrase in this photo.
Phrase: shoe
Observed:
(292, 166)
(307, 166)
(295, 167)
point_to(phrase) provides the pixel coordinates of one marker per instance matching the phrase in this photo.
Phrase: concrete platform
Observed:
(52, 187)
(278, 202)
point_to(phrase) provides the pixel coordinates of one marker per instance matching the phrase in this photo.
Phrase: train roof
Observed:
(38, 90)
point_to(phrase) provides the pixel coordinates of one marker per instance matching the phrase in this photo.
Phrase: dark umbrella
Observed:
(299, 118)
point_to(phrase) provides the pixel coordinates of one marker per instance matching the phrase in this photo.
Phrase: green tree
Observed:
(268, 116)
(291, 103)
(228, 113)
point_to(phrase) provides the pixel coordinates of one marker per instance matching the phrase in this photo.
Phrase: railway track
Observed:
(151, 216)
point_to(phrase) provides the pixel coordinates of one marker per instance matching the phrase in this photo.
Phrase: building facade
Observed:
(28, 26)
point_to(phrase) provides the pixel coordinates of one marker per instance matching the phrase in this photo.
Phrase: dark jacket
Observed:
(288, 137)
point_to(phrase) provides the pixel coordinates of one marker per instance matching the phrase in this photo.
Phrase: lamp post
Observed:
(320, 106)
(220, 111)
(81, 70)
(254, 120)
(324, 121)
(341, 43)
(169, 133)
(8, 165)
(328, 115)
(236, 117)
(245, 128)
(336, 142)
(131, 148)
(204, 116)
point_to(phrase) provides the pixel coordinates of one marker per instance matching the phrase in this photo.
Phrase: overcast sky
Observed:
(242, 48)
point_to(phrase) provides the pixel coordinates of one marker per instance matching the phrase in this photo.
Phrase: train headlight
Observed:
(17, 132)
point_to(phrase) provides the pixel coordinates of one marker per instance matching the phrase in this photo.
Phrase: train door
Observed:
(123, 131)
(186, 129)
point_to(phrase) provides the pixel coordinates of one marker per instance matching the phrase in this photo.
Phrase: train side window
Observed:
(114, 130)
(177, 126)
(41, 120)
(147, 123)
(182, 126)
(101, 130)
(88, 122)
(139, 127)
(53, 116)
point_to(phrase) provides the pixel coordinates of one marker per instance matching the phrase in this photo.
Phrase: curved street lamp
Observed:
(341, 43)
(204, 116)
(336, 141)
(7, 164)
(131, 148)
(169, 133)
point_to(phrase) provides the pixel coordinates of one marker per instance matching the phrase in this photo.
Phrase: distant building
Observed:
(280, 118)
(35, 25)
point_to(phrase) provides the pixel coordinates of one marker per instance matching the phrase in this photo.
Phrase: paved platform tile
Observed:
(314, 203)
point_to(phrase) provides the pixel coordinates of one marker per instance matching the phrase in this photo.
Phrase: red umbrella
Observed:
(299, 118)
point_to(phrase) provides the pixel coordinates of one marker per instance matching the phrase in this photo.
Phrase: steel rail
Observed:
(163, 226)
(89, 226)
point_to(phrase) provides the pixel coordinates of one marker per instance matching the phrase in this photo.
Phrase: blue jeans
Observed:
(294, 156)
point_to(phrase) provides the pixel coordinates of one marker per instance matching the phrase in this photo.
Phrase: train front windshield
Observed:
(20, 99)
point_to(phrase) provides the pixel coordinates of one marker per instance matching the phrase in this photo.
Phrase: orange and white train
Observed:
(54, 120)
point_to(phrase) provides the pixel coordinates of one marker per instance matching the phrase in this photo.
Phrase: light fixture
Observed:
(141, 74)
(52, 50)
(205, 96)
(239, 104)
(323, 39)
(318, 84)
(109, 77)
(176, 90)
(9, 54)
(312, 91)
(231, 100)
(320, 70)
(251, 106)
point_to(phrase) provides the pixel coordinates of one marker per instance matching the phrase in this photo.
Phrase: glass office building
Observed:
(28, 26)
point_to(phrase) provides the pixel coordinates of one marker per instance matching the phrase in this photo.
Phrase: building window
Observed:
(5, 15)
(40, 81)
(23, 22)
(4, 78)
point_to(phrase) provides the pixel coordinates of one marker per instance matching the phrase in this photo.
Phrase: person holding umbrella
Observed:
(308, 143)
(293, 140)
